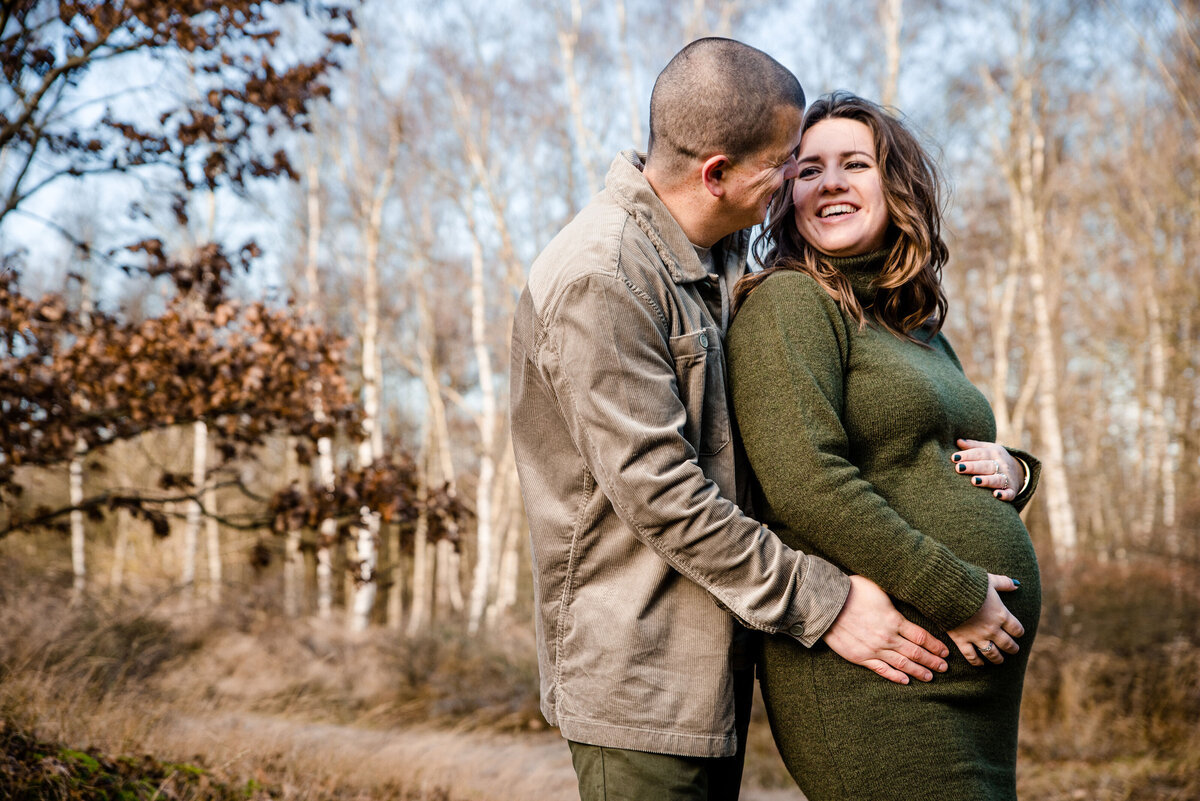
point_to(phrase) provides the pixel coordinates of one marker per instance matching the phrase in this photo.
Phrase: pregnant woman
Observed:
(859, 425)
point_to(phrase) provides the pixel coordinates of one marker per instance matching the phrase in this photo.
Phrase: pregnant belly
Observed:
(979, 529)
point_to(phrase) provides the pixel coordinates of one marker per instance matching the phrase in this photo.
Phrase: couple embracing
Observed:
(782, 471)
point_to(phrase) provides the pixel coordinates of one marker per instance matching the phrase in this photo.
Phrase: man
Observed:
(626, 453)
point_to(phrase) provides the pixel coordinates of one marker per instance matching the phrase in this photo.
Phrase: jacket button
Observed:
(703, 340)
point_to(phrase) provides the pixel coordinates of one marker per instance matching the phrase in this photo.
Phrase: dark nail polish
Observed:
(996, 493)
(977, 480)
(957, 457)
(1016, 583)
(962, 468)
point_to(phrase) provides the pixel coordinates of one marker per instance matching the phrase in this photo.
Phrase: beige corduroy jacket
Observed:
(624, 447)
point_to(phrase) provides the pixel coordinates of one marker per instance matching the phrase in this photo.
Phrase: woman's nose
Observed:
(833, 180)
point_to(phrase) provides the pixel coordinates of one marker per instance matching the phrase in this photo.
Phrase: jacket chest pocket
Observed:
(700, 373)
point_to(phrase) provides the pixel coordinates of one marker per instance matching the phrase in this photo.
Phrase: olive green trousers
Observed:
(617, 774)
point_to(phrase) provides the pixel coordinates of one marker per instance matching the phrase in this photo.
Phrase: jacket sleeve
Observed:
(787, 350)
(607, 357)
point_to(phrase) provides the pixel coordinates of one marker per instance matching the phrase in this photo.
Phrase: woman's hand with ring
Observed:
(990, 633)
(990, 466)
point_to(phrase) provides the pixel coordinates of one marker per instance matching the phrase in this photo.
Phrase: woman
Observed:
(859, 423)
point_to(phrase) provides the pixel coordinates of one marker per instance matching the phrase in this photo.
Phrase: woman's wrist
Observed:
(1028, 473)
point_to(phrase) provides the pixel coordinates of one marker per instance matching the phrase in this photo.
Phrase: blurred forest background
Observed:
(259, 261)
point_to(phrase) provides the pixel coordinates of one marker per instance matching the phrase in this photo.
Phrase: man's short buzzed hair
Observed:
(717, 96)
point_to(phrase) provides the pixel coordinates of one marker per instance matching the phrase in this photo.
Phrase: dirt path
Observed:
(466, 766)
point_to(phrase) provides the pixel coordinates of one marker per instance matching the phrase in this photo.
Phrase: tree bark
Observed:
(891, 21)
(327, 533)
(191, 532)
(568, 40)
(636, 137)
(212, 532)
(78, 533)
(487, 435)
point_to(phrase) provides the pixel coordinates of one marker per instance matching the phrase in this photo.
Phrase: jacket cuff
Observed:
(819, 599)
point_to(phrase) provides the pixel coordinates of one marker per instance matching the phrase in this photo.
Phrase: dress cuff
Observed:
(1033, 470)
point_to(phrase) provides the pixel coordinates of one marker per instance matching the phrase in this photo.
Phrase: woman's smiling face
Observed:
(839, 205)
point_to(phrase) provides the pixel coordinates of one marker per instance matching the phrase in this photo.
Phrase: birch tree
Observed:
(78, 532)
(1024, 157)
(891, 19)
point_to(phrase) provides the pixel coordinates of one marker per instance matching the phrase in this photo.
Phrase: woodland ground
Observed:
(237, 702)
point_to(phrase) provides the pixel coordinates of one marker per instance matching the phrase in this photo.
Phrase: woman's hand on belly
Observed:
(991, 467)
(989, 633)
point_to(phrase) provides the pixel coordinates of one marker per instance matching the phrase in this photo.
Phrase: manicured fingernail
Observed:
(1016, 583)
(996, 493)
(962, 468)
(977, 480)
(957, 457)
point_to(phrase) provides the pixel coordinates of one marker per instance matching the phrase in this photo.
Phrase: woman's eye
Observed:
(858, 165)
(807, 172)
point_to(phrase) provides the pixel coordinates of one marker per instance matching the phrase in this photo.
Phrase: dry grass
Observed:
(311, 713)
(299, 707)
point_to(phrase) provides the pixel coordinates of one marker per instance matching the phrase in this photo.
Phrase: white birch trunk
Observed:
(365, 586)
(293, 573)
(312, 248)
(890, 20)
(1030, 154)
(508, 565)
(487, 435)
(1025, 151)
(395, 598)
(326, 537)
(327, 529)
(510, 571)
(212, 533)
(123, 523)
(327, 533)
(78, 533)
(636, 137)
(449, 587)
(293, 557)
(568, 40)
(1002, 302)
(430, 589)
(1054, 475)
(75, 470)
(1157, 433)
(422, 584)
(372, 186)
(191, 532)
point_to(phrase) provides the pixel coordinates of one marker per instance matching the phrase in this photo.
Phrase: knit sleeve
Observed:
(788, 348)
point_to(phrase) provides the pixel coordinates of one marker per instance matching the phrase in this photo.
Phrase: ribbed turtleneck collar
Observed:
(861, 271)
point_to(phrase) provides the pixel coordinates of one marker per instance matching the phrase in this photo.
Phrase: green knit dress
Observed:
(849, 433)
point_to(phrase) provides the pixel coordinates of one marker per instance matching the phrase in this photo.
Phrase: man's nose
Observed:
(791, 169)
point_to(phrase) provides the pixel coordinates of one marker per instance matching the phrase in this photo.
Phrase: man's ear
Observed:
(713, 173)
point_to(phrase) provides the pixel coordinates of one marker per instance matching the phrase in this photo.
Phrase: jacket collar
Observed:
(630, 189)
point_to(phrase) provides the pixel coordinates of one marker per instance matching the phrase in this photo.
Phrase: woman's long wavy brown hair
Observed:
(910, 295)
